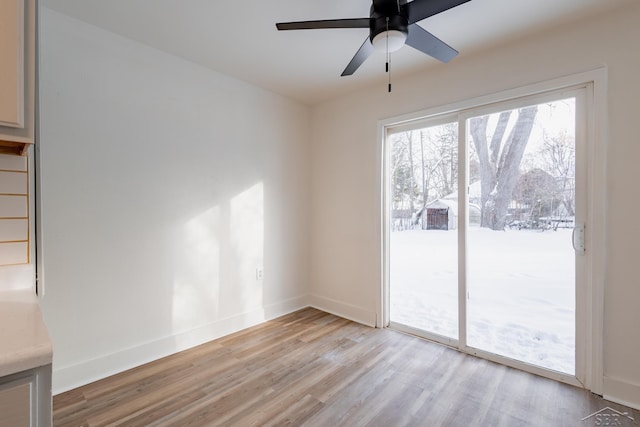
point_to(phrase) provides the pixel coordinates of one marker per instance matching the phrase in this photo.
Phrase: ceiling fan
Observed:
(391, 24)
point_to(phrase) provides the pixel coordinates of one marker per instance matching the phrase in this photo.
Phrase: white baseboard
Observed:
(348, 311)
(70, 377)
(622, 392)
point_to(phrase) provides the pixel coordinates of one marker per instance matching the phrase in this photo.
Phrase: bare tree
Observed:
(499, 161)
(559, 158)
(410, 136)
(403, 183)
(423, 167)
(425, 175)
(440, 160)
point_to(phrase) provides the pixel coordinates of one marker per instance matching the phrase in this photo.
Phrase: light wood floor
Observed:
(315, 369)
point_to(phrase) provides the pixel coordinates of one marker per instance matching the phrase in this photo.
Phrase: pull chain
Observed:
(387, 67)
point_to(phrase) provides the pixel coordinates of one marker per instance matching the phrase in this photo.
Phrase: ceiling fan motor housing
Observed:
(382, 21)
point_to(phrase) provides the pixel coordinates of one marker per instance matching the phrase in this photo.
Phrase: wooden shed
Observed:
(442, 214)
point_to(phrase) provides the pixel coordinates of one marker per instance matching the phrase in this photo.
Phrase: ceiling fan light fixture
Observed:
(396, 40)
(389, 23)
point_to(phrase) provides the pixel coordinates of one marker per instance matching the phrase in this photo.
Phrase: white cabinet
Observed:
(26, 354)
(15, 403)
(25, 398)
(17, 74)
(12, 64)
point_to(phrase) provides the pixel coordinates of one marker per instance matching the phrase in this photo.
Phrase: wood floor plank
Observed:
(310, 368)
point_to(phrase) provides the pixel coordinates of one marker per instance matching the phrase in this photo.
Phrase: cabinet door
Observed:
(15, 404)
(12, 63)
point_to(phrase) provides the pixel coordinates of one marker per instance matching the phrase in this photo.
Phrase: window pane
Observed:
(521, 263)
(424, 222)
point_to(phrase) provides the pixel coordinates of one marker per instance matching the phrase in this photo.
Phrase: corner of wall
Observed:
(348, 311)
(622, 392)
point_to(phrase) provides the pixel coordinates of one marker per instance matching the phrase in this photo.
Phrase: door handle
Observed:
(577, 238)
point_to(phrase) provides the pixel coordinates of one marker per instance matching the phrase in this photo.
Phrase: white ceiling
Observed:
(239, 38)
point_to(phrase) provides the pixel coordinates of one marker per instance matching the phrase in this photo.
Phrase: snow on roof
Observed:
(475, 191)
(448, 203)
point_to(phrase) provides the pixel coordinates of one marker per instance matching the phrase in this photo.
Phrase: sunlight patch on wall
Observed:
(196, 284)
(247, 243)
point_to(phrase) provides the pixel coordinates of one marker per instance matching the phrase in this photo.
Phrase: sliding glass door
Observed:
(521, 265)
(484, 217)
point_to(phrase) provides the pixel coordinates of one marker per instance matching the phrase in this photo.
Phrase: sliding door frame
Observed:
(589, 373)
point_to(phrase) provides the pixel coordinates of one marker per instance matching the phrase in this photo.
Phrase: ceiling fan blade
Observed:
(417, 10)
(327, 23)
(422, 40)
(361, 55)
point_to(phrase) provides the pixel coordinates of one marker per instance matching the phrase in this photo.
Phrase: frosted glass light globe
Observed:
(396, 40)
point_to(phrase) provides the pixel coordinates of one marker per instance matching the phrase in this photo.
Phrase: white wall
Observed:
(345, 267)
(164, 186)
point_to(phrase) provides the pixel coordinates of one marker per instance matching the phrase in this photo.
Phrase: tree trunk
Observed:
(499, 173)
(478, 129)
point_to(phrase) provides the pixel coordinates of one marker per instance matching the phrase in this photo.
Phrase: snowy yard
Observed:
(521, 290)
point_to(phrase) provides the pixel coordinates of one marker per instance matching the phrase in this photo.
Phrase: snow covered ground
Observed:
(521, 287)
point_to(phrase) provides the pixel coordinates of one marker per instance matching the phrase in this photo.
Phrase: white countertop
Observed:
(24, 340)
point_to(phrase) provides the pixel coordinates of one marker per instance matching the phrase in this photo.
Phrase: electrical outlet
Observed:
(259, 273)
